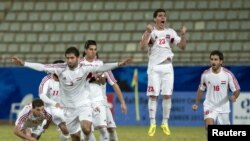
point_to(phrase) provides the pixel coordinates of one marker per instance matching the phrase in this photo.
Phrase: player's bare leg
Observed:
(75, 137)
(112, 134)
(86, 129)
(64, 131)
(91, 136)
(208, 121)
(166, 107)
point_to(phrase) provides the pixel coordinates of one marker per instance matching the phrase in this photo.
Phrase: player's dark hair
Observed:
(37, 103)
(86, 46)
(157, 11)
(217, 52)
(73, 50)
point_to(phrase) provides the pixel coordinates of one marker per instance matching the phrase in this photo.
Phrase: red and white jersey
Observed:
(160, 45)
(95, 90)
(73, 83)
(49, 91)
(26, 119)
(217, 86)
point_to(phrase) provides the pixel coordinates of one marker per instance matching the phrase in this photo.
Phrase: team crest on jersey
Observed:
(206, 112)
(223, 82)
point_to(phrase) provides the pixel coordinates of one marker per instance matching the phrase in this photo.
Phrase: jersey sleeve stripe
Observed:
(22, 119)
(236, 84)
(111, 76)
(45, 79)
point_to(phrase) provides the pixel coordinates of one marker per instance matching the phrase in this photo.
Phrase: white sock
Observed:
(81, 136)
(152, 107)
(166, 107)
(84, 137)
(104, 135)
(113, 136)
(63, 137)
(92, 137)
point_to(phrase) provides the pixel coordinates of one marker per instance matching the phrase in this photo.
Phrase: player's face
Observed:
(38, 111)
(91, 52)
(161, 20)
(72, 60)
(215, 62)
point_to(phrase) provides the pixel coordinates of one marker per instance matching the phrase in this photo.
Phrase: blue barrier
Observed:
(181, 114)
(15, 82)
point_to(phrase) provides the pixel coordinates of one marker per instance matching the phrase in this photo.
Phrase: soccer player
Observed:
(160, 39)
(110, 120)
(95, 89)
(50, 94)
(216, 81)
(73, 89)
(32, 121)
(102, 114)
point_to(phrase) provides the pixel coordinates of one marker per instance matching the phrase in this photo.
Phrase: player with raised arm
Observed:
(50, 94)
(159, 40)
(32, 121)
(216, 81)
(73, 89)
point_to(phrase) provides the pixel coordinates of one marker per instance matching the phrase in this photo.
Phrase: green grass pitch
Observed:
(125, 133)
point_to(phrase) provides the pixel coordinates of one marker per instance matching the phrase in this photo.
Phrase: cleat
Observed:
(151, 131)
(165, 129)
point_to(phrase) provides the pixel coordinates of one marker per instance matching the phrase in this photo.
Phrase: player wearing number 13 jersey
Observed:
(159, 40)
(216, 81)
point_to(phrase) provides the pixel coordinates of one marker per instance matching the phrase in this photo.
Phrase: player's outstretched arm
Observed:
(35, 66)
(17, 61)
(125, 62)
(107, 66)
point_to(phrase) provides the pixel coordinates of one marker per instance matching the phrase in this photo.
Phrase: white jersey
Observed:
(27, 120)
(160, 45)
(111, 80)
(217, 86)
(95, 90)
(49, 91)
(73, 83)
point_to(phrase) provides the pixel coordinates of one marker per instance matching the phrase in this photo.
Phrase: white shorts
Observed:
(160, 79)
(57, 115)
(99, 117)
(73, 116)
(219, 118)
(110, 119)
